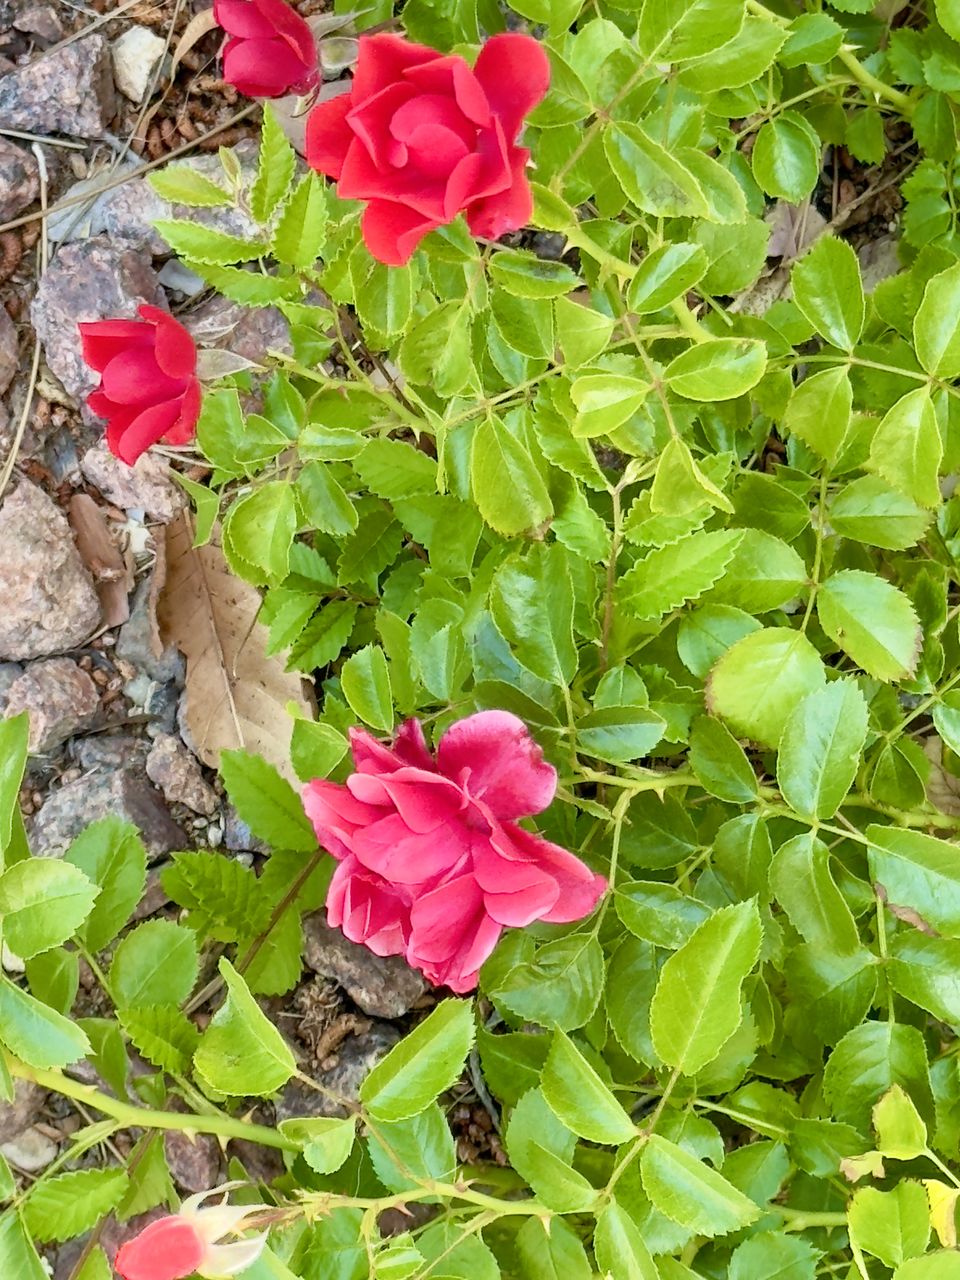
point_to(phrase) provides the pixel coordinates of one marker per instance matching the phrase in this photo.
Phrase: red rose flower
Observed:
(433, 865)
(422, 137)
(148, 381)
(272, 51)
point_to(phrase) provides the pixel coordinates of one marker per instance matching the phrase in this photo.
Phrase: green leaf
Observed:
(605, 401)
(554, 1255)
(323, 638)
(936, 325)
(620, 1248)
(820, 749)
(686, 29)
(872, 621)
(773, 1256)
(759, 680)
(866, 1062)
(578, 1096)
(507, 486)
(720, 763)
(696, 1007)
(764, 573)
(907, 449)
(14, 735)
(786, 157)
(204, 245)
(393, 469)
(251, 288)
(183, 184)
(111, 853)
(925, 971)
(436, 351)
(275, 169)
(406, 1151)
(691, 1193)
(18, 1257)
(541, 1149)
(54, 978)
(681, 487)
(302, 226)
(69, 1204)
(315, 749)
(39, 1036)
(225, 899)
(901, 1133)
(323, 500)
(935, 1266)
(718, 369)
(156, 963)
(365, 680)
(43, 901)
(423, 1065)
(801, 881)
(920, 872)
(659, 912)
(266, 802)
(373, 547)
(242, 1053)
(163, 1035)
(619, 734)
(829, 292)
(582, 332)
(819, 411)
(531, 600)
(560, 987)
(868, 510)
(670, 576)
(892, 1225)
(326, 1141)
(814, 38)
(652, 179)
(664, 274)
(261, 527)
(525, 275)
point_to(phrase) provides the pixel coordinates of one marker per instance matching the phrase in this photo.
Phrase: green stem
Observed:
(145, 1118)
(801, 1219)
(902, 101)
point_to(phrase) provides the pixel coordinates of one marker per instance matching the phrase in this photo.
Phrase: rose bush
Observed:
(148, 389)
(433, 865)
(421, 137)
(271, 50)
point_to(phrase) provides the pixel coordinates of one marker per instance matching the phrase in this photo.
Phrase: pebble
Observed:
(67, 91)
(40, 20)
(384, 986)
(19, 1114)
(124, 792)
(30, 1151)
(50, 605)
(146, 486)
(60, 699)
(194, 1161)
(135, 645)
(10, 673)
(92, 280)
(19, 179)
(135, 56)
(172, 768)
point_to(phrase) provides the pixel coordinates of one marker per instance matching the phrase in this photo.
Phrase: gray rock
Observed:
(19, 179)
(50, 605)
(105, 751)
(237, 836)
(172, 768)
(135, 55)
(248, 332)
(92, 280)
(67, 91)
(146, 486)
(124, 792)
(30, 1151)
(194, 1161)
(10, 673)
(9, 350)
(355, 1059)
(40, 20)
(384, 986)
(135, 641)
(19, 1114)
(59, 698)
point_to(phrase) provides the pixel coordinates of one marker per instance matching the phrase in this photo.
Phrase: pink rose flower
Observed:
(422, 136)
(433, 865)
(187, 1243)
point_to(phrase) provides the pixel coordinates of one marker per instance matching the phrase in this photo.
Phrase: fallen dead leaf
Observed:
(235, 697)
(103, 558)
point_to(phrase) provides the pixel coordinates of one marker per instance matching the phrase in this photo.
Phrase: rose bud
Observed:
(433, 865)
(422, 137)
(186, 1243)
(149, 389)
(271, 51)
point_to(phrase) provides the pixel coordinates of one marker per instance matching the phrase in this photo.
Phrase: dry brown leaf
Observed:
(235, 697)
(102, 556)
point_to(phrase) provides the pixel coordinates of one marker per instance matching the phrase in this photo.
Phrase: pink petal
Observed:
(176, 350)
(451, 934)
(390, 849)
(168, 1249)
(514, 72)
(147, 428)
(493, 755)
(382, 59)
(514, 893)
(103, 339)
(327, 135)
(242, 18)
(370, 755)
(336, 815)
(580, 889)
(367, 909)
(423, 800)
(506, 210)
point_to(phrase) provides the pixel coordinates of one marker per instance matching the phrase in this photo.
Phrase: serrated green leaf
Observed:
(242, 1053)
(670, 576)
(424, 1064)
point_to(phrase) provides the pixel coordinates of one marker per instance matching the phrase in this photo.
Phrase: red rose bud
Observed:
(422, 137)
(271, 51)
(149, 389)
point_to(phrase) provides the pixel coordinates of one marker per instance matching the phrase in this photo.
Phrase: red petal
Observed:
(392, 232)
(328, 136)
(454, 79)
(382, 59)
(133, 377)
(492, 755)
(185, 427)
(294, 29)
(104, 339)
(168, 1249)
(372, 122)
(514, 72)
(147, 428)
(176, 351)
(262, 68)
(242, 18)
(419, 193)
(508, 210)
(580, 888)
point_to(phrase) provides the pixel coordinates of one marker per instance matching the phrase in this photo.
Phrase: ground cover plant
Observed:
(607, 495)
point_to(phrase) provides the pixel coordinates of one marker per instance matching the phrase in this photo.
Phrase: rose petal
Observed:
(261, 68)
(514, 72)
(371, 121)
(392, 232)
(242, 18)
(423, 800)
(382, 59)
(370, 755)
(133, 377)
(403, 857)
(507, 210)
(580, 889)
(175, 349)
(493, 755)
(168, 1249)
(294, 29)
(148, 427)
(101, 340)
(327, 135)
(367, 909)
(452, 77)
(451, 935)
(185, 427)
(336, 814)
(416, 192)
